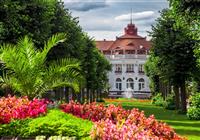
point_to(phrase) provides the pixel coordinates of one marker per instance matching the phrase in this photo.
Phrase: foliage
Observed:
(194, 108)
(20, 108)
(187, 11)
(55, 123)
(27, 72)
(169, 102)
(158, 100)
(152, 71)
(100, 100)
(173, 49)
(135, 126)
(40, 19)
(19, 18)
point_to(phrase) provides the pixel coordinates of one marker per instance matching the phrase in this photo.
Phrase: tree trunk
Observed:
(177, 99)
(88, 95)
(91, 95)
(66, 94)
(100, 94)
(78, 97)
(183, 97)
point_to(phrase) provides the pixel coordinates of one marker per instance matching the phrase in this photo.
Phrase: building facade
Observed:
(127, 54)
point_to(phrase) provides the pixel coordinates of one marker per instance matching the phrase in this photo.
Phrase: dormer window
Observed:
(130, 44)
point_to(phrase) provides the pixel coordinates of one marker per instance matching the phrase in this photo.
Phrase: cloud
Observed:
(136, 16)
(79, 5)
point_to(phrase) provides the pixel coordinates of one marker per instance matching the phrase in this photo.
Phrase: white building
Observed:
(127, 54)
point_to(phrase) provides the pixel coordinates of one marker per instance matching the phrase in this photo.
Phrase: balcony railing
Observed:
(127, 56)
(141, 72)
(128, 71)
(118, 72)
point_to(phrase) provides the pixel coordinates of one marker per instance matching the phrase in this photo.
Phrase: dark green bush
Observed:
(193, 112)
(157, 100)
(100, 100)
(55, 123)
(169, 102)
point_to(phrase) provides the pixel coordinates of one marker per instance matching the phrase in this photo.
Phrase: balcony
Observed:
(129, 71)
(141, 72)
(118, 72)
(127, 56)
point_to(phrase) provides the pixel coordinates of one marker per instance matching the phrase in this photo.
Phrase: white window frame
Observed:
(130, 83)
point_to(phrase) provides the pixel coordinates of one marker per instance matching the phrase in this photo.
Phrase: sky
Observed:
(106, 19)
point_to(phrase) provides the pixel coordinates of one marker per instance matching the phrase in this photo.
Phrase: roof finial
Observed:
(131, 18)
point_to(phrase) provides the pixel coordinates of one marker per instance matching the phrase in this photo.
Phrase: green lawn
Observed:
(183, 126)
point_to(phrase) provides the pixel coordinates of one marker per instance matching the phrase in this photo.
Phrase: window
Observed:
(118, 84)
(130, 83)
(141, 68)
(141, 51)
(129, 68)
(141, 83)
(118, 68)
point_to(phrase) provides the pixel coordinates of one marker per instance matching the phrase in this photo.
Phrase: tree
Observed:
(174, 48)
(40, 19)
(27, 71)
(152, 71)
(19, 18)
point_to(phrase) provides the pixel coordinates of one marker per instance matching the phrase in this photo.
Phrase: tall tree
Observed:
(175, 50)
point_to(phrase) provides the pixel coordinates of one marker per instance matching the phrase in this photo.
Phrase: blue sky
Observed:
(106, 19)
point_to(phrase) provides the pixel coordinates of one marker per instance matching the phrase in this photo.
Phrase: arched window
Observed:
(118, 84)
(141, 83)
(130, 83)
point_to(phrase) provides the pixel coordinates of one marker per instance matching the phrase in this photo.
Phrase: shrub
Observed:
(158, 100)
(100, 100)
(169, 103)
(193, 112)
(20, 108)
(55, 123)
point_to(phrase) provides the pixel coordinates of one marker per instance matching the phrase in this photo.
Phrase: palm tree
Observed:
(27, 72)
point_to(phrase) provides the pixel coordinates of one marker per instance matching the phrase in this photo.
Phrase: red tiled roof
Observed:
(130, 44)
(129, 41)
(103, 45)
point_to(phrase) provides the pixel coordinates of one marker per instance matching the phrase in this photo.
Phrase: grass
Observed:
(187, 128)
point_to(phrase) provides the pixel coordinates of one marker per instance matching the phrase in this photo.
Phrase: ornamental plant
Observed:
(135, 127)
(12, 107)
(95, 112)
(26, 70)
(115, 123)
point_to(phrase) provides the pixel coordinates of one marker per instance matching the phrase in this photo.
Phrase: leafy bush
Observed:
(169, 103)
(100, 100)
(20, 108)
(158, 100)
(193, 112)
(55, 123)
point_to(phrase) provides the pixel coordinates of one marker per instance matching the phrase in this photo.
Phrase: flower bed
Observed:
(116, 123)
(95, 112)
(20, 108)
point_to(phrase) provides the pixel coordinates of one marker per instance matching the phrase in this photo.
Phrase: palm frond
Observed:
(53, 41)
